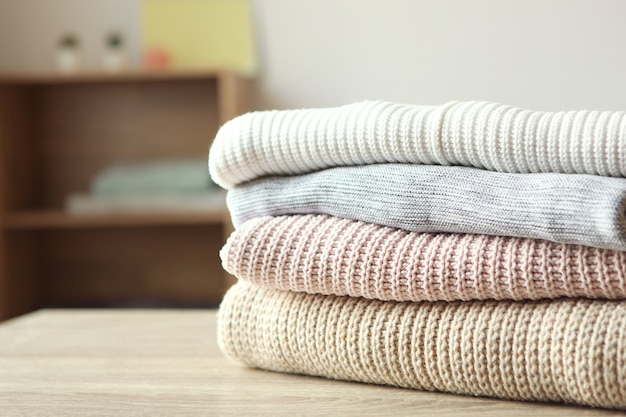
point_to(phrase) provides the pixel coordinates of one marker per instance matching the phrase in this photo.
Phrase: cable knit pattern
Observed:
(573, 209)
(567, 350)
(327, 255)
(480, 134)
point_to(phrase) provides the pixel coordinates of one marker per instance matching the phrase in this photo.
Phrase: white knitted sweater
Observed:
(479, 134)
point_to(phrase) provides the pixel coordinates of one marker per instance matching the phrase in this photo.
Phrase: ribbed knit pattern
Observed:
(566, 208)
(328, 255)
(569, 350)
(479, 134)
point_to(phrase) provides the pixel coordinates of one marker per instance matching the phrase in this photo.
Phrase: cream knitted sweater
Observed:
(479, 134)
(566, 208)
(327, 255)
(567, 350)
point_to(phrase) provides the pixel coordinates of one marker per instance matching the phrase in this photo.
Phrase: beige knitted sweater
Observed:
(567, 350)
(328, 255)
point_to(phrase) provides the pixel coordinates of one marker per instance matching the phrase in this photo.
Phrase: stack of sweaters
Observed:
(472, 248)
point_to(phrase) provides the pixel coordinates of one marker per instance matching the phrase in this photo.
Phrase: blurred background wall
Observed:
(541, 54)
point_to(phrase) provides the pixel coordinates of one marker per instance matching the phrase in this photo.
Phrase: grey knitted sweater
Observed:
(566, 208)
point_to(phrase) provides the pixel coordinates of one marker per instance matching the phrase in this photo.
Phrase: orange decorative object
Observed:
(157, 58)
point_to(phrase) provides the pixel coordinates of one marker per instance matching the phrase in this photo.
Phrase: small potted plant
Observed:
(114, 58)
(68, 57)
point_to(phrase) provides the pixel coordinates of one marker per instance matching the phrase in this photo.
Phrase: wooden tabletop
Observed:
(167, 363)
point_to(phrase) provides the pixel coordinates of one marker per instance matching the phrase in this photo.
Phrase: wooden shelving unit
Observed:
(56, 132)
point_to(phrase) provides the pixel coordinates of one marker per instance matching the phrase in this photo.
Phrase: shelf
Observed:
(138, 75)
(58, 219)
(57, 131)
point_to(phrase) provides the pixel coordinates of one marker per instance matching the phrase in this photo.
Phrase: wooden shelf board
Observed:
(58, 219)
(138, 75)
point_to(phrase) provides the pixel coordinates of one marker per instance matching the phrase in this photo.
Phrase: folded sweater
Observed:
(479, 134)
(567, 350)
(574, 209)
(328, 255)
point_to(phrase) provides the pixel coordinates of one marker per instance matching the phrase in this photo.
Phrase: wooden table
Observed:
(167, 363)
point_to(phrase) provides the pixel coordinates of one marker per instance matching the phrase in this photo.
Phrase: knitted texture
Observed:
(328, 255)
(565, 208)
(567, 350)
(479, 134)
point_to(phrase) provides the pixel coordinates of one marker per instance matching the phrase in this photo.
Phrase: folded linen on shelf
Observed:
(157, 177)
(326, 255)
(480, 134)
(85, 204)
(566, 350)
(565, 208)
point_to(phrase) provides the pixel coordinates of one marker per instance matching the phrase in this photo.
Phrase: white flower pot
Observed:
(67, 60)
(114, 60)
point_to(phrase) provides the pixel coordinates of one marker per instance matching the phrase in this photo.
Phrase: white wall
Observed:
(542, 54)
(539, 54)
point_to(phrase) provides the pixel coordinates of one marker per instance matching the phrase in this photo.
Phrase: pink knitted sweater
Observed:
(327, 255)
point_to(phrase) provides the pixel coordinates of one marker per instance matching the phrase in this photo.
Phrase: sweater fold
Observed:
(326, 255)
(568, 350)
(564, 208)
(484, 135)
